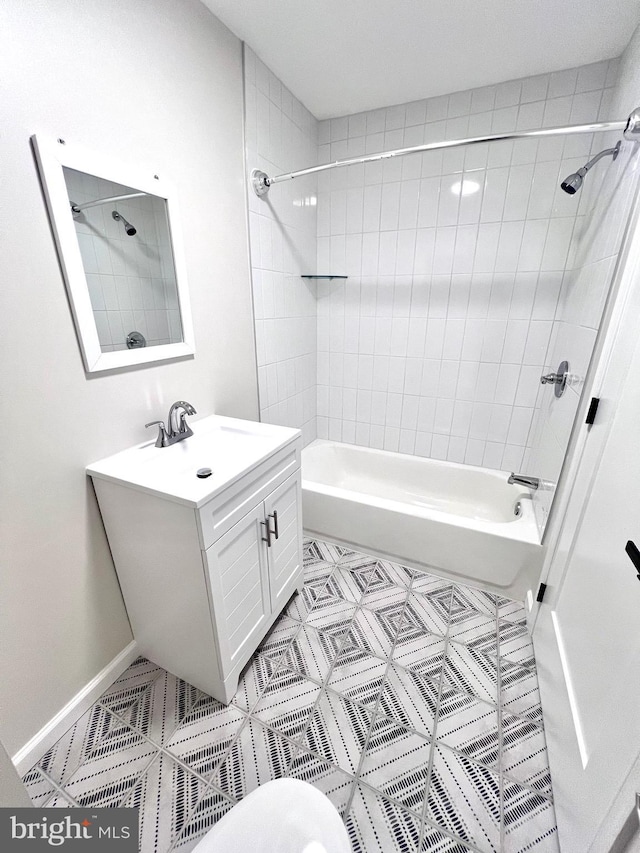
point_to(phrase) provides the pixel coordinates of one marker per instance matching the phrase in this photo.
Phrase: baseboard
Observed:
(33, 750)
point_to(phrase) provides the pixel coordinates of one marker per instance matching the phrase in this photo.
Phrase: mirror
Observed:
(118, 240)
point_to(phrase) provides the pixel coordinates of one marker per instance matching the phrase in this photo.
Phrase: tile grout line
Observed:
(343, 644)
(298, 741)
(435, 724)
(190, 812)
(221, 760)
(375, 714)
(377, 705)
(100, 704)
(58, 787)
(139, 731)
(500, 732)
(62, 788)
(159, 748)
(136, 778)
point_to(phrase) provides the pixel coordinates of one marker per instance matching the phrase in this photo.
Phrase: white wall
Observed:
(282, 135)
(436, 342)
(12, 792)
(157, 82)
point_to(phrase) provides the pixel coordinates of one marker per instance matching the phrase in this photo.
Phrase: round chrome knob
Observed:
(558, 379)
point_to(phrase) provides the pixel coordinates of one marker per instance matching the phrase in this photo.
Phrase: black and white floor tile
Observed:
(258, 755)
(396, 763)
(203, 736)
(165, 794)
(410, 701)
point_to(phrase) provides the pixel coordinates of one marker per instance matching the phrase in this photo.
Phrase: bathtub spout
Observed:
(524, 480)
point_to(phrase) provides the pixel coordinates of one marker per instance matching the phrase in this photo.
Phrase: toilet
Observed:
(282, 816)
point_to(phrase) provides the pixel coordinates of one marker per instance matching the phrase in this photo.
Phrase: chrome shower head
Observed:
(573, 182)
(128, 227)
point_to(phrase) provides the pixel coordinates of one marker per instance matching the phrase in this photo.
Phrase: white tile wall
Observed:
(131, 280)
(280, 136)
(435, 343)
(455, 304)
(606, 201)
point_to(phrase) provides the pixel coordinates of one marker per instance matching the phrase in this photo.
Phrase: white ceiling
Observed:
(344, 56)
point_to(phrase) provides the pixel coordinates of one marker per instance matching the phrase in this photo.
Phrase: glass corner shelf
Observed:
(327, 276)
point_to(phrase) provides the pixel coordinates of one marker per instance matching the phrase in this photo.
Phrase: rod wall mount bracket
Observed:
(260, 182)
(632, 130)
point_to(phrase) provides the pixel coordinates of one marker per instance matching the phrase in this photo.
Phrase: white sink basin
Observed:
(227, 446)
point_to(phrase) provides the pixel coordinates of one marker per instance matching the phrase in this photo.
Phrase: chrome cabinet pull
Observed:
(266, 538)
(274, 516)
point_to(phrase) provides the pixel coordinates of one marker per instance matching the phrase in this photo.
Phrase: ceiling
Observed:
(345, 56)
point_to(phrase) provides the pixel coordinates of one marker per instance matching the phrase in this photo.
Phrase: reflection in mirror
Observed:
(117, 232)
(125, 245)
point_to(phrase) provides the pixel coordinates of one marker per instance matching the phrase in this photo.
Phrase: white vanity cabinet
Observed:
(252, 569)
(205, 565)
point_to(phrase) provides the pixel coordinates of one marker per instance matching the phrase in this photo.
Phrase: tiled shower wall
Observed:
(280, 136)
(606, 199)
(435, 343)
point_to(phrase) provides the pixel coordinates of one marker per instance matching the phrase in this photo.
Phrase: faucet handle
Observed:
(161, 441)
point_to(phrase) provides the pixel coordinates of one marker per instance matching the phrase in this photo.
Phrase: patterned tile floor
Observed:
(411, 702)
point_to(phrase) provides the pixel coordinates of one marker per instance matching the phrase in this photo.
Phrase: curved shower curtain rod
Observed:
(76, 208)
(261, 182)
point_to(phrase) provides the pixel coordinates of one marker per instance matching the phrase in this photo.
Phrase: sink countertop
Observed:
(229, 446)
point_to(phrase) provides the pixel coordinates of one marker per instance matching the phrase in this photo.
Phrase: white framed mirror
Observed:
(118, 238)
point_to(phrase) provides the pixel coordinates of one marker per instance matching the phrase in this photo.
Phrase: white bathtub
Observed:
(456, 519)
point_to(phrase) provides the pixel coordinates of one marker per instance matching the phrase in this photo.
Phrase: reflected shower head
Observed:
(573, 182)
(128, 227)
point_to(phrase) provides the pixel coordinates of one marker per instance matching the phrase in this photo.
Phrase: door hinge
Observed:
(541, 591)
(593, 408)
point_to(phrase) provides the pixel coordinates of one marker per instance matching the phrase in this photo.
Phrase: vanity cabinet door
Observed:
(283, 512)
(238, 577)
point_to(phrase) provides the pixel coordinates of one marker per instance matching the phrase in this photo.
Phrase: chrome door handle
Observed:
(274, 516)
(266, 538)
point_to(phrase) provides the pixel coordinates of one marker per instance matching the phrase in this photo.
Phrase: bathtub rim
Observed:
(523, 529)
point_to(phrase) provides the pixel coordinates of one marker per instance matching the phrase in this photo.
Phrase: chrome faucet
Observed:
(180, 429)
(177, 431)
(523, 480)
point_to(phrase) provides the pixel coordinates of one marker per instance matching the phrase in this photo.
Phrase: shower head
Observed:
(573, 182)
(128, 227)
